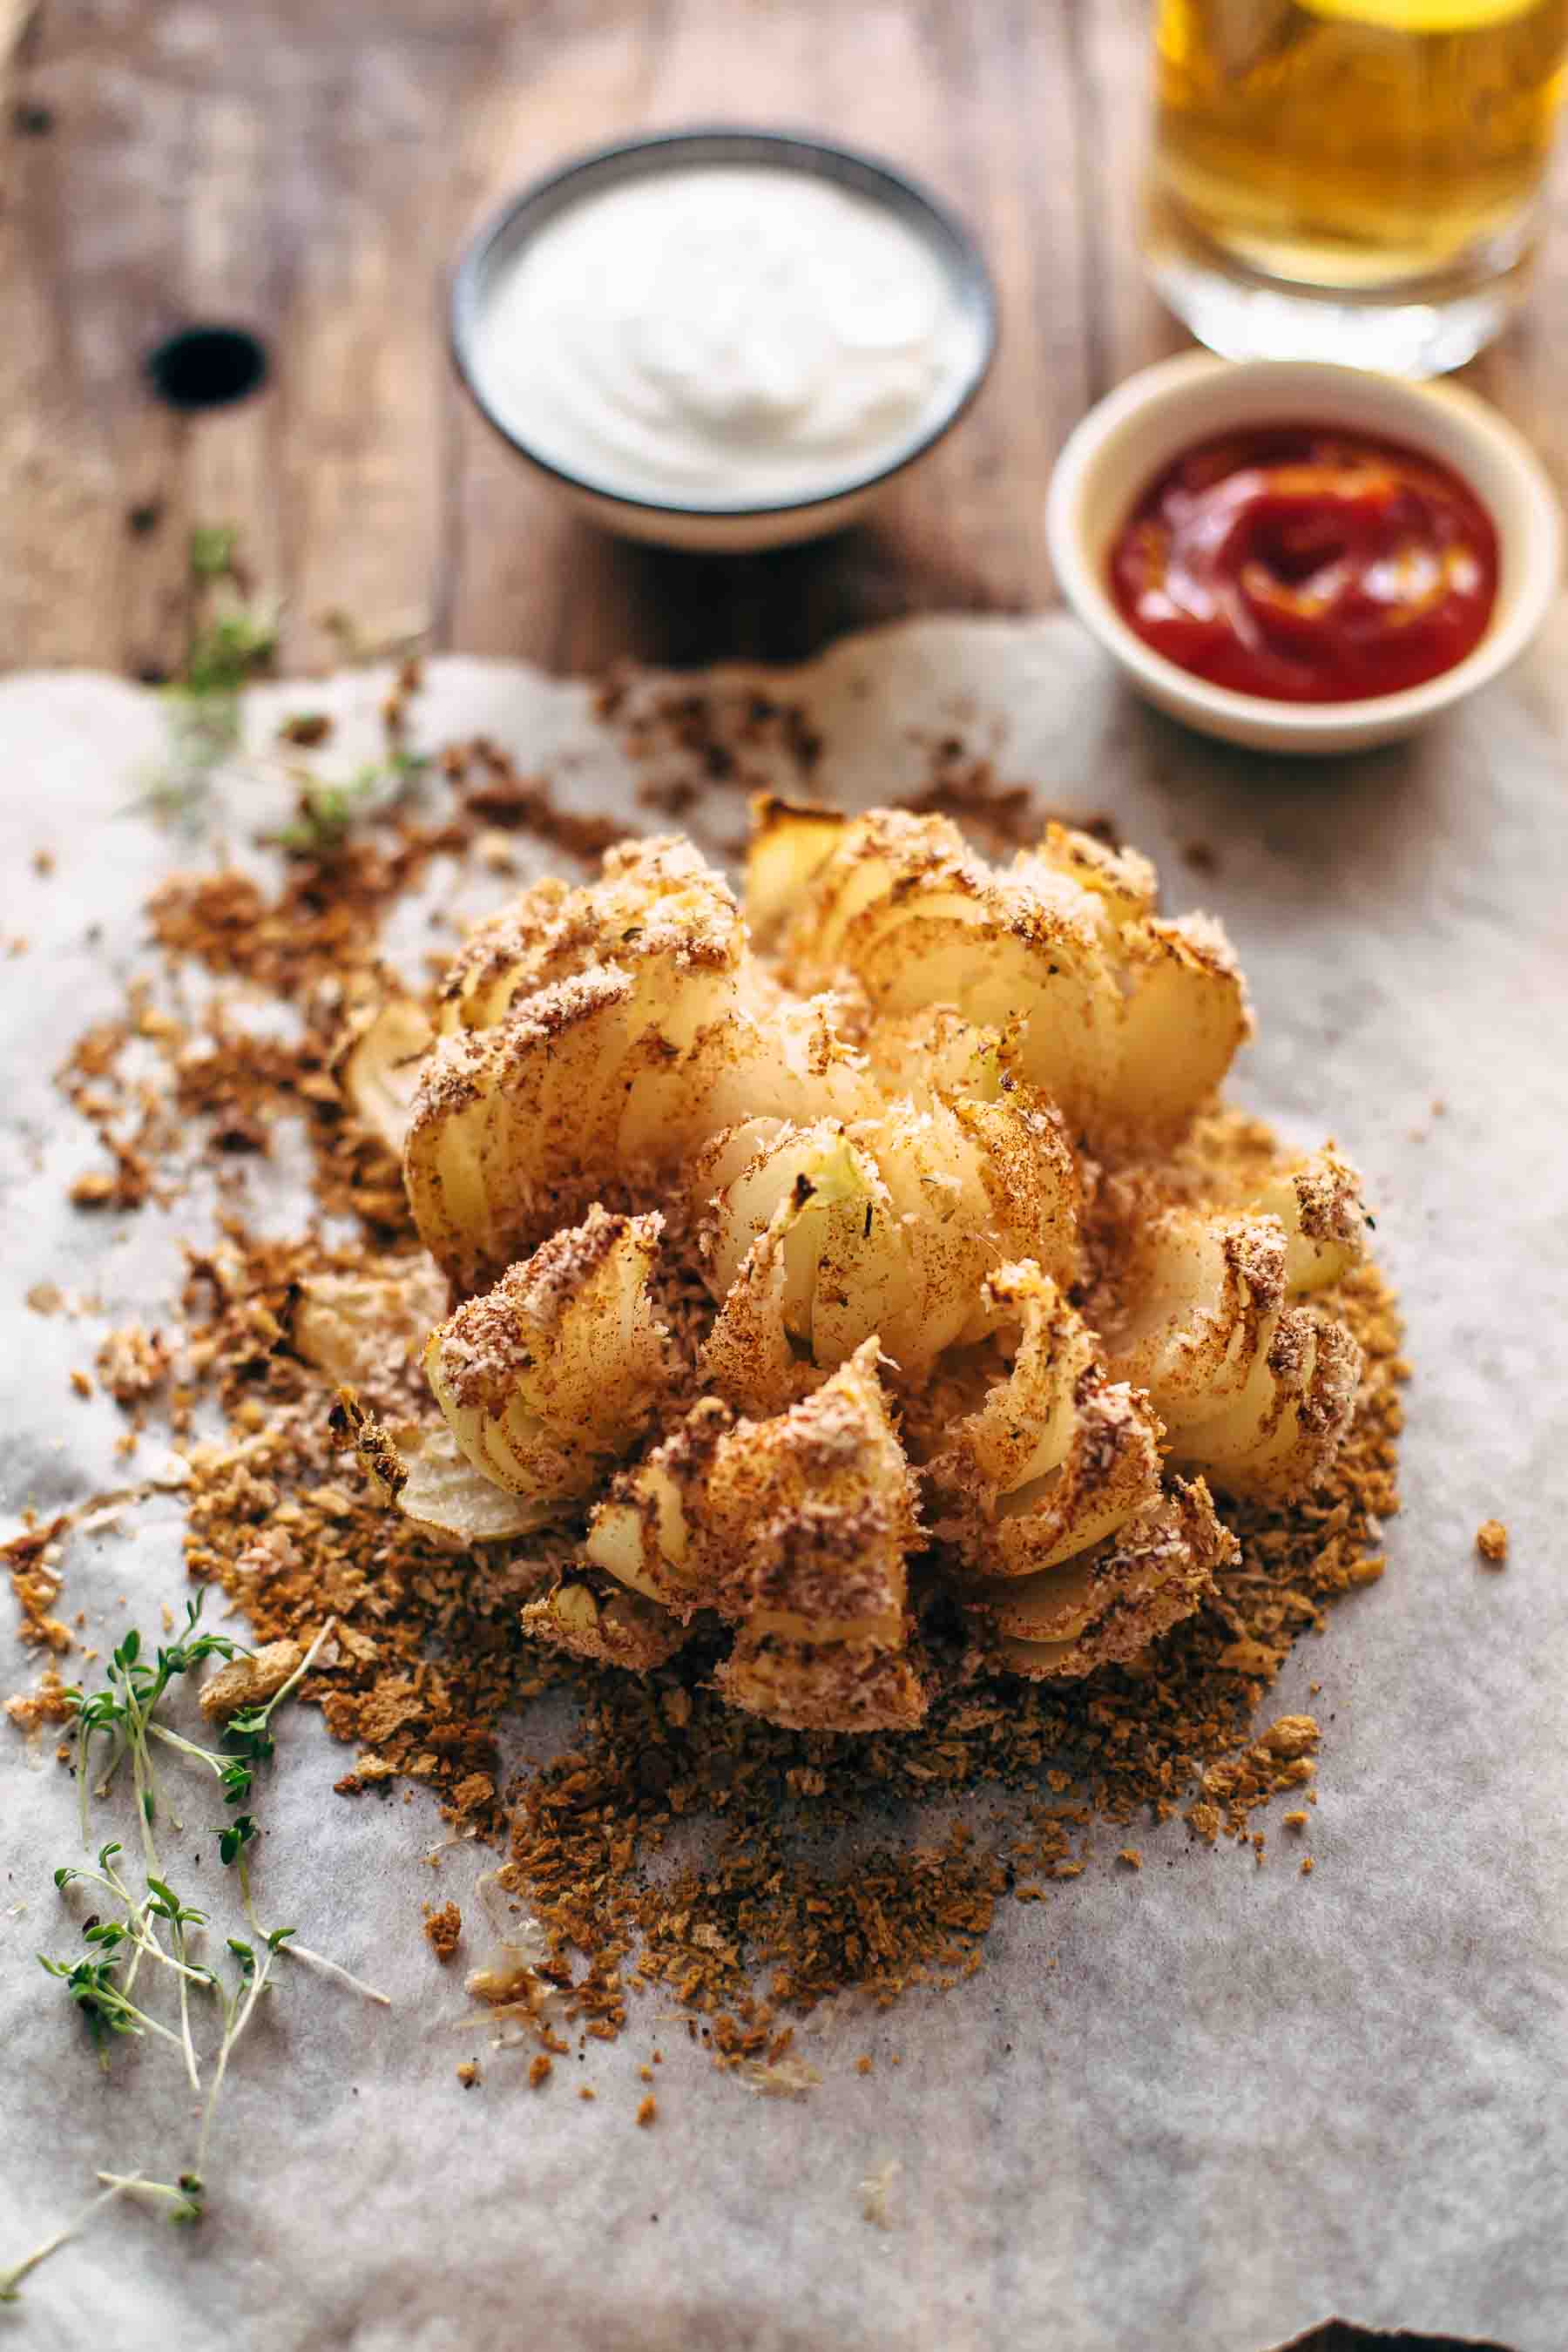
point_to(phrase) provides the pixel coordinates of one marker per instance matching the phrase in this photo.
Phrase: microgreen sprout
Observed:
(224, 656)
(106, 2009)
(164, 1904)
(134, 1930)
(212, 549)
(246, 1736)
(183, 2196)
(101, 1982)
(230, 643)
(326, 814)
(356, 648)
(124, 1711)
(119, 2185)
(326, 1967)
(251, 1722)
(233, 1773)
(299, 1952)
(234, 1838)
(239, 2009)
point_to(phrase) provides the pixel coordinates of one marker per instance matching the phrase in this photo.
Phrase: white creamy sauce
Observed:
(723, 337)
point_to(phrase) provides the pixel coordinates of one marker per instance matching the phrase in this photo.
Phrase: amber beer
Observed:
(1379, 154)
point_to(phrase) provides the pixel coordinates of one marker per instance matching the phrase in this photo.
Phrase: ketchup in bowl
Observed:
(1306, 564)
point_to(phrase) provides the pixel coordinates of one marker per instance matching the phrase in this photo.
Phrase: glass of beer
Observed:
(1353, 179)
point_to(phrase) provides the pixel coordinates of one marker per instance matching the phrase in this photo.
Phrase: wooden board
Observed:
(309, 171)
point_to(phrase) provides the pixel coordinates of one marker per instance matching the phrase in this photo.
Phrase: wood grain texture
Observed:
(309, 171)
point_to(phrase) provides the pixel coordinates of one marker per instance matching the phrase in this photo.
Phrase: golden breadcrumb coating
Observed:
(840, 1255)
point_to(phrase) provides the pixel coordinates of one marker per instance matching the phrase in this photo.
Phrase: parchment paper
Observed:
(1241, 2100)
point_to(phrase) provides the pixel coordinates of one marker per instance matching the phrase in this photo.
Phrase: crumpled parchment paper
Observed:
(1202, 2105)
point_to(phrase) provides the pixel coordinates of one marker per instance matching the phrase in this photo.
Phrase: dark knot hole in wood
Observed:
(206, 367)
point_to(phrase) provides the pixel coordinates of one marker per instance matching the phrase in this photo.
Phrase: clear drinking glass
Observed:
(1355, 180)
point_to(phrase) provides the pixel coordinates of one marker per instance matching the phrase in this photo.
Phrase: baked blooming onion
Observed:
(836, 1274)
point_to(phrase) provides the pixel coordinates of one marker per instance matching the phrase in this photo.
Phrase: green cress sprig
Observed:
(101, 1982)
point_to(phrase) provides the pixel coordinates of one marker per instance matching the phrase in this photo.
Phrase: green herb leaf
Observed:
(328, 813)
(213, 548)
(237, 1836)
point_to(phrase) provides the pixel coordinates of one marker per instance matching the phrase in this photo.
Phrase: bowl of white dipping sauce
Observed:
(722, 338)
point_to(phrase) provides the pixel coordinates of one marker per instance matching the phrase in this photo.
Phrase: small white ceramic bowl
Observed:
(713, 529)
(1146, 423)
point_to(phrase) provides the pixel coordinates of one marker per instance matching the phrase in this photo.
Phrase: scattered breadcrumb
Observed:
(1307, 1866)
(1132, 1857)
(504, 799)
(1292, 1736)
(249, 1682)
(306, 728)
(648, 2112)
(469, 2074)
(1001, 816)
(1298, 1818)
(46, 1703)
(34, 1561)
(132, 1363)
(494, 851)
(1491, 1542)
(445, 1930)
(541, 2069)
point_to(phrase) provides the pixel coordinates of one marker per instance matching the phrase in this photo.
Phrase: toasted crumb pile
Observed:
(597, 1836)
(1046, 1762)
(32, 1558)
(286, 1526)
(744, 1870)
(445, 1930)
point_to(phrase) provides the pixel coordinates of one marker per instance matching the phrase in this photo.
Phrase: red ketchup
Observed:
(1306, 564)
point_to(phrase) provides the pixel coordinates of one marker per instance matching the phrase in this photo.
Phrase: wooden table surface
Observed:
(307, 168)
